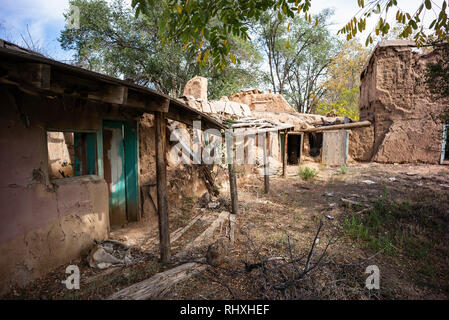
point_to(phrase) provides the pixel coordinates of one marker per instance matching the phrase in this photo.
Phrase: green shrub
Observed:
(343, 169)
(307, 173)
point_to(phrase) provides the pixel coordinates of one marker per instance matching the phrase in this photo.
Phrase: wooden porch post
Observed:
(285, 155)
(231, 172)
(266, 170)
(161, 177)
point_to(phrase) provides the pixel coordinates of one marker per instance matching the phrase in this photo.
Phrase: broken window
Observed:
(71, 154)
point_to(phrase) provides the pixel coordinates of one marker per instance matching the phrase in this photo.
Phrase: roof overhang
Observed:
(35, 74)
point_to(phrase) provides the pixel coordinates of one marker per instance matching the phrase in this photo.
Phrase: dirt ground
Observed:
(393, 216)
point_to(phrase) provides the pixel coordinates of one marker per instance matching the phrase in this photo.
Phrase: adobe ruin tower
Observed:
(196, 87)
(394, 98)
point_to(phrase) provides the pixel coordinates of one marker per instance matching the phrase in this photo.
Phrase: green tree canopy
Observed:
(297, 54)
(341, 87)
(112, 40)
(210, 24)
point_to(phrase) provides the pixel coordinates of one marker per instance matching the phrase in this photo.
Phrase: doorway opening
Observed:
(315, 143)
(294, 148)
(120, 157)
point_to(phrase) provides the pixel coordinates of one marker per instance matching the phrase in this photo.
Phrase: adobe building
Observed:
(395, 100)
(80, 153)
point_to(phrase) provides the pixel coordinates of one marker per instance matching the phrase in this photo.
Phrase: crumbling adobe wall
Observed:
(43, 223)
(259, 101)
(183, 180)
(196, 87)
(394, 99)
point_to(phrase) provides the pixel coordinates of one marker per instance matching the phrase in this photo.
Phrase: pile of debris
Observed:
(109, 253)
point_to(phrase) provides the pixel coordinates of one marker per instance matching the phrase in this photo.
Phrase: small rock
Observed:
(329, 217)
(368, 181)
(204, 200)
(213, 205)
(216, 252)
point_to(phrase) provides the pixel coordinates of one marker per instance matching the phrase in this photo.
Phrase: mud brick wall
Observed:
(395, 100)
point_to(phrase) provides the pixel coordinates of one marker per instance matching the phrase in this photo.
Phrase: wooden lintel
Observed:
(30, 75)
(353, 125)
(110, 94)
(158, 105)
(36, 74)
(140, 100)
(187, 119)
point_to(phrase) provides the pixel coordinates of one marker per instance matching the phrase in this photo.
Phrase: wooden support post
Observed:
(231, 173)
(285, 155)
(266, 167)
(161, 176)
(233, 187)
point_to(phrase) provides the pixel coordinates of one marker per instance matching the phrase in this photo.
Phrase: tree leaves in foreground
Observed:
(206, 26)
(411, 23)
(112, 40)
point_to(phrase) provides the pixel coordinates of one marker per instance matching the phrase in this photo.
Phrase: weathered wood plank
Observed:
(340, 126)
(285, 155)
(161, 177)
(157, 285)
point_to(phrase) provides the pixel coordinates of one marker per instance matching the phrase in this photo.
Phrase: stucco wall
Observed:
(394, 98)
(43, 223)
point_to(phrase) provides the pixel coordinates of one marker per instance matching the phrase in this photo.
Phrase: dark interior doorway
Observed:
(294, 148)
(315, 143)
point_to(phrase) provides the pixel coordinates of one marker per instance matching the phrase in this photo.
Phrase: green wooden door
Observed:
(114, 170)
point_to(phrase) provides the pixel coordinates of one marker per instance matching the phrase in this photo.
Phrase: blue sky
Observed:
(45, 20)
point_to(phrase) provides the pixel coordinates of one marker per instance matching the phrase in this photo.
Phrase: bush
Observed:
(307, 173)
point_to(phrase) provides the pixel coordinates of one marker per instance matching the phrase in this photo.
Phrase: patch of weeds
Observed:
(417, 249)
(343, 170)
(188, 202)
(427, 269)
(298, 218)
(307, 173)
(371, 229)
(367, 230)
